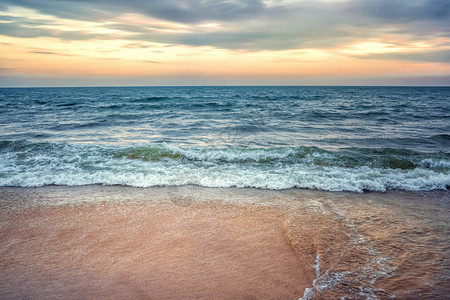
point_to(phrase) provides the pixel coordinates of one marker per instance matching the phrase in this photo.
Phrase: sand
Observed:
(114, 242)
(148, 250)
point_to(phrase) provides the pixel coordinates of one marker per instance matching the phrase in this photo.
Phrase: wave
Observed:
(158, 98)
(445, 137)
(23, 163)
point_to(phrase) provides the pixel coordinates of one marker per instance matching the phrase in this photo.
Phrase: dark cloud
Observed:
(441, 56)
(22, 21)
(402, 11)
(194, 11)
(420, 19)
(247, 24)
(44, 52)
(17, 30)
(183, 11)
(24, 30)
(51, 53)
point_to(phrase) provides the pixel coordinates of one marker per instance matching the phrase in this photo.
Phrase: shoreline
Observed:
(119, 193)
(222, 243)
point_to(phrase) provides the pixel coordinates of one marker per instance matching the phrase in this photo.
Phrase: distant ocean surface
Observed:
(326, 138)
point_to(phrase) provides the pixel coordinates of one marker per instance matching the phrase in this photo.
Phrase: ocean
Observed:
(362, 172)
(327, 138)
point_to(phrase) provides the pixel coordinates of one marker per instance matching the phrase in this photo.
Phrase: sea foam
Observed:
(36, 164)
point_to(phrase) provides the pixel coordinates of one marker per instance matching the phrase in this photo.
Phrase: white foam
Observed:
(317, 265)
(433, 163)
(230, 155)
(307, 294)
(82, 165)
(321, 282)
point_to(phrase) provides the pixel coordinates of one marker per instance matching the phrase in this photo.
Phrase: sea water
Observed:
(326, 138)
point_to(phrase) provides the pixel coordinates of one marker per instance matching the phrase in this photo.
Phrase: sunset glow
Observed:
(224, 42)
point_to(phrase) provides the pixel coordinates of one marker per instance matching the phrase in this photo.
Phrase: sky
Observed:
(224, 42)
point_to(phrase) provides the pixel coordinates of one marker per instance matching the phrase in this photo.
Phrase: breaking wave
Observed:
(23, 163)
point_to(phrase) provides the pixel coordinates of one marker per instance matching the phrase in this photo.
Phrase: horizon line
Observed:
(213, 85)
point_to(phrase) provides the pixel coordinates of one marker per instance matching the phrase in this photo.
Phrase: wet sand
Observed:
(113, 242)
(158, 250)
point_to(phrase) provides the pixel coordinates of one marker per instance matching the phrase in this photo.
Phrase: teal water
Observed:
(326, 138)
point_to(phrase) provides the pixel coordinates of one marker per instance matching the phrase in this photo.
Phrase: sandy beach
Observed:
(158, 250)
(193, 243)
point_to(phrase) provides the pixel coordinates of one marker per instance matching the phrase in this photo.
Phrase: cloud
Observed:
(402, 11)
(183, 11)
(439, 56)
(418, 20)
(50, 53)
(25, 31)
(17, 30)
(249, 25)
(197, 11)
